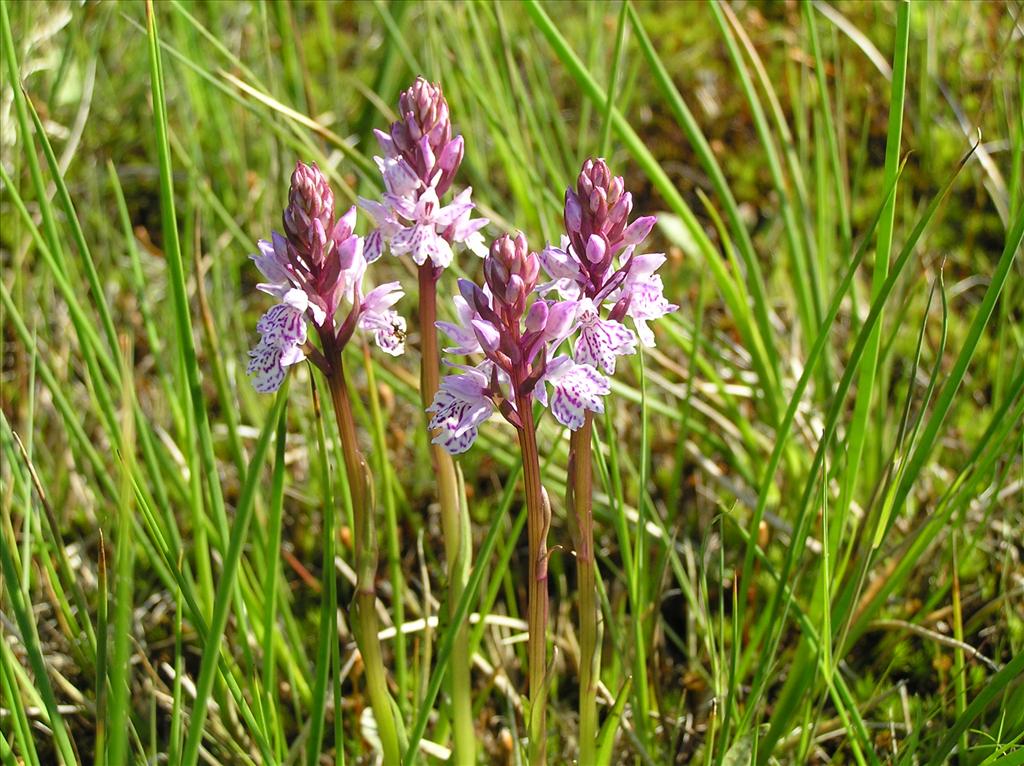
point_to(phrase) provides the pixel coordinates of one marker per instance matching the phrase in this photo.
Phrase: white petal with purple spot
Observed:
(576, 389)
(459, 407)
(602, 340)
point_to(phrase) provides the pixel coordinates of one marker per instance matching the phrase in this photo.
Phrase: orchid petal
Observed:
(459, 407)
(577, 389)
(602, 340)
(388, 328)
(637, 231)
(373, 246)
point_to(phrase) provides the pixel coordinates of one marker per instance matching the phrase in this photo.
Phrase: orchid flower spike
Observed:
(596, 265)
(517, 333)
(311, 269)
(419, 164)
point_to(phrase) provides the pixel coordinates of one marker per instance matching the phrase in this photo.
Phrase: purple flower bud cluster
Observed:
(423, 136)
(511, 273)
(317, 263)
(419, 163)
(596, 265)
(517, 332)
(310, 211)
(597, 221)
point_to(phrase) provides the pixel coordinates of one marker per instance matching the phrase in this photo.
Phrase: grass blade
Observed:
(227, 582)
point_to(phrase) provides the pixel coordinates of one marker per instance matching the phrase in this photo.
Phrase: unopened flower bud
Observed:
(451, 156)
(425, 103)
(596, 248)
(615, 187)
(345, 225)
(509, 255)
(310, 211)
(597, 221)
(637, 231)
(496, 275)
(503, 250)
(537, 317)
(573, 212)
(618, 217)
(473, 295)
(621, 306)
(423, 135)
(561, 315)
(349, 249)
(515, 291)
(487, 335)
(530, 270)
(622, 206)
(585, 180)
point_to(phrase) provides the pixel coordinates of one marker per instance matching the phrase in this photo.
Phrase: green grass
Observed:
(808, 497)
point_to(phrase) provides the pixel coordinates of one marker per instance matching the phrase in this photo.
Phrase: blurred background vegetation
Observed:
(918, 561)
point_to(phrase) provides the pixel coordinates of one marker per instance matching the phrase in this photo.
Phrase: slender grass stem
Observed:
(455, 524)
(124, 590)
(273, 555)
(638, 584)
(869, 365)
(214, 632)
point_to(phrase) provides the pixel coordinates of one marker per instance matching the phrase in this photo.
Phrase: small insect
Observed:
(398, 328)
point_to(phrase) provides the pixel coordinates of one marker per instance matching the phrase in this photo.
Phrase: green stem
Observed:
(366, 556)
(328, 630)
(455, 524)
(538, 520)
(580, 495)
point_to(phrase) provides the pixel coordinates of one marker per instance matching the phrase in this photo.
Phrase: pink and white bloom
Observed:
(576, 389)
(646, 301)
(600, 340)
(399, 177)
(283, 334)
(461, 333)
(465, 230)
(518, 340)
(422, 237)
(461, 405)
(564, 270)
(421, 227)
(595, 262)
(386, 324)
(316, 266)
(419, 163)
(386, 226)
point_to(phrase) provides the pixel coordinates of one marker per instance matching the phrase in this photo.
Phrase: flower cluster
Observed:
(420, 160)
(517, 341)
(316, 264)
(596, 266)
(553, 341)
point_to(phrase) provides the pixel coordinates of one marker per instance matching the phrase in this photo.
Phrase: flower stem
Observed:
(455, 524)
(580, 500)
(366, 557)
(538, 520)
